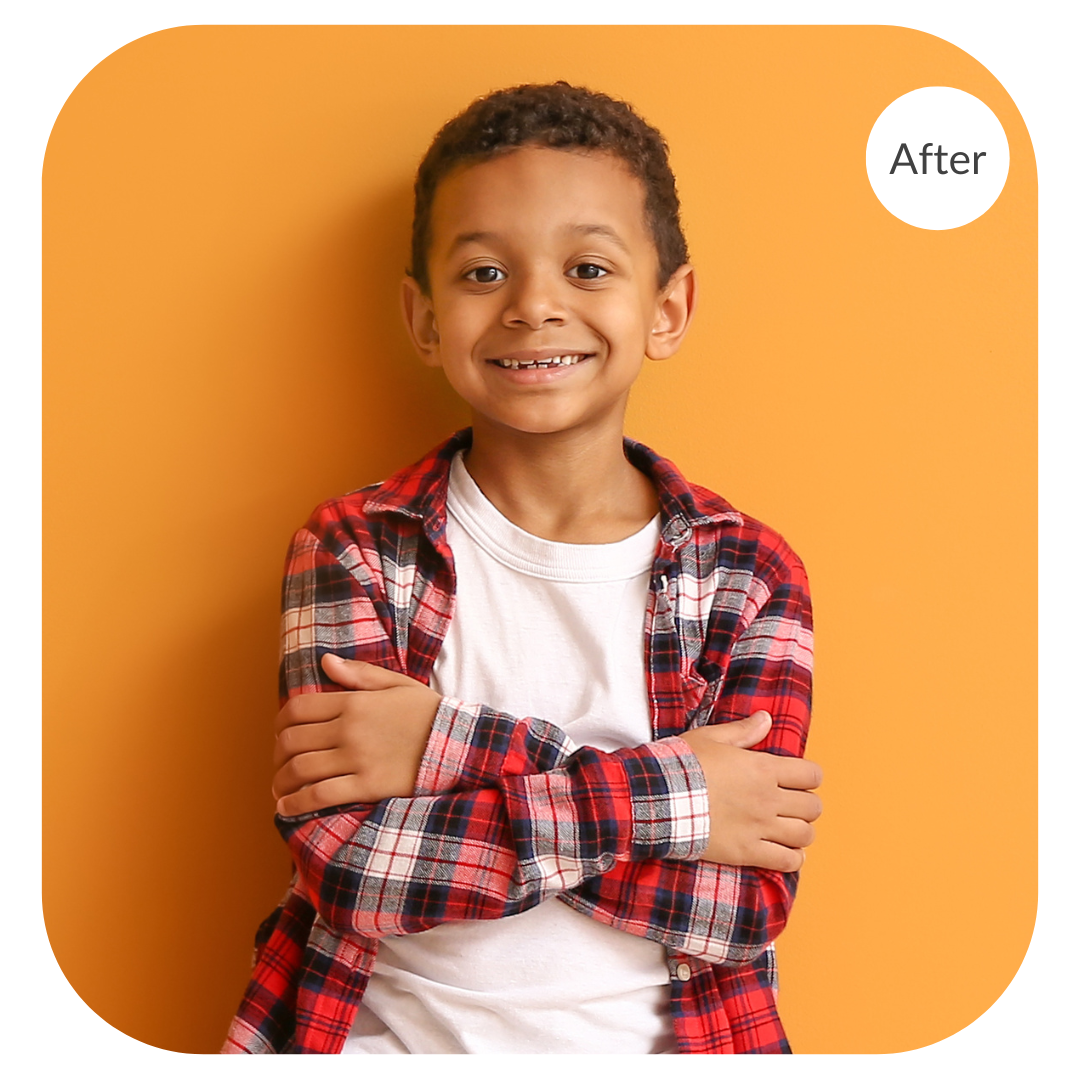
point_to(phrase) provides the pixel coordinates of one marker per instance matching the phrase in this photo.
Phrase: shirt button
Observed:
(677, 531)
(682, 973)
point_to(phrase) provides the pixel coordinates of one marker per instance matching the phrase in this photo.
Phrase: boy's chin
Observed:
(549, 425)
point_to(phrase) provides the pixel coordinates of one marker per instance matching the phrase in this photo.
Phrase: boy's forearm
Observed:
(406, 865)
(761, 805)
(727, 915)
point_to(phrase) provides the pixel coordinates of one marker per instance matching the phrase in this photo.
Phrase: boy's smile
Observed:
(544, 295)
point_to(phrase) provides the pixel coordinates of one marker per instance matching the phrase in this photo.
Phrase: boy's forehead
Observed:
(562, 191)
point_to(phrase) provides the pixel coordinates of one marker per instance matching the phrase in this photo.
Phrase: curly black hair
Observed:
(562, 117)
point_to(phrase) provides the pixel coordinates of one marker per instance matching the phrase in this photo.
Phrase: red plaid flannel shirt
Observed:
(506, 812)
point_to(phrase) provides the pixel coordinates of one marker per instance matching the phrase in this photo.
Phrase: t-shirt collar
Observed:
(419, 491)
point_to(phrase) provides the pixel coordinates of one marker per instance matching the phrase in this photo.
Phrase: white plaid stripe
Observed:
(775, 638)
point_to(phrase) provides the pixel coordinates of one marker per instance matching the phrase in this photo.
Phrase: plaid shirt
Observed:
(507, 813)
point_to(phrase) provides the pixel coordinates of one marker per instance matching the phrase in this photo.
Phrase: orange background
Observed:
(226, 222)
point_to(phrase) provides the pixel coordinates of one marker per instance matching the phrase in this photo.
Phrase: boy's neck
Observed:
(575, 487)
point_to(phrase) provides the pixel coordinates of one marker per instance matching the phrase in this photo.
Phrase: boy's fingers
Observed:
(309, 709)
(770, 856)
(303, 738)
(791, 832)
(798, 773)
(304, 769)
(743, 733)
(767, 855)
(338, 791)
(360, 675)
(800, 804)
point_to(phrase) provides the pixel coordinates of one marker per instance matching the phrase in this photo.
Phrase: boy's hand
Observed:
(760, 805)
(360, 746)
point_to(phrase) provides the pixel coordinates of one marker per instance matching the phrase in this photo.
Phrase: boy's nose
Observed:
(534, 300)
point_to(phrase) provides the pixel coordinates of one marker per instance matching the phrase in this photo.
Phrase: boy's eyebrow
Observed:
(603, 231)
(472, 238)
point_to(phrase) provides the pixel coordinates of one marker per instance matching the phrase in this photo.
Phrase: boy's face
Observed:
(541, 254)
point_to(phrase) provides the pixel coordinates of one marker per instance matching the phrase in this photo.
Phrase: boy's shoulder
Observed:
(415, 494)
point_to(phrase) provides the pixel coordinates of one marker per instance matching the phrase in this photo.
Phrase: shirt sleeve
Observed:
(407, 864)
(723, 914)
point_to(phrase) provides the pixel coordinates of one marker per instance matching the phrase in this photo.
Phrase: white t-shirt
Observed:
(554, 631)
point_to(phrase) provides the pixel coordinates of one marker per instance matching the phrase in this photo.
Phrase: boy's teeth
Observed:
(554, 361)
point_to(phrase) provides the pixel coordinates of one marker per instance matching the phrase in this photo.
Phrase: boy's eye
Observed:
(587, 271)
(486, 275)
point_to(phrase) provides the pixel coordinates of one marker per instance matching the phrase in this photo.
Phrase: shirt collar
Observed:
(683, 506)
(419, 491)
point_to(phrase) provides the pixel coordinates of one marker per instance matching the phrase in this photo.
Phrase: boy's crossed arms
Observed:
(366, 744)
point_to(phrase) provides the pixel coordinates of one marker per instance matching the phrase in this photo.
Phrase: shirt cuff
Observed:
(473, 746)
(447, 748)
(670, 801)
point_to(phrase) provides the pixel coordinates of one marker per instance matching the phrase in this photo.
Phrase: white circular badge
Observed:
(937, 158)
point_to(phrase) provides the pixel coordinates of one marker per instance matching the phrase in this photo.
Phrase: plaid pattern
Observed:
(507, 813)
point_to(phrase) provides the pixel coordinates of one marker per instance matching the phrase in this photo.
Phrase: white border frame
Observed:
(565, 12)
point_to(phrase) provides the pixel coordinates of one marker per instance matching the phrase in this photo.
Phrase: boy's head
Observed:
(548, 259)
(561, 117)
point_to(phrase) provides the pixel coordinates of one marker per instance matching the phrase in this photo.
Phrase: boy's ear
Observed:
(675, 305)
(420, 322)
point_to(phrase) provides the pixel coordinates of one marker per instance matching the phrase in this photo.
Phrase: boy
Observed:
(608, 878)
